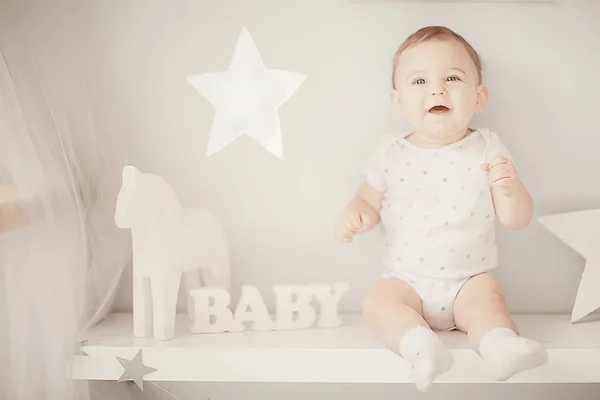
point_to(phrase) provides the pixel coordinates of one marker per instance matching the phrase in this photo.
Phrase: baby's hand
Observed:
(502, 175)
(358, 217)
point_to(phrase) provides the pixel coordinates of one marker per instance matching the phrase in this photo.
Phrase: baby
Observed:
(437, 192)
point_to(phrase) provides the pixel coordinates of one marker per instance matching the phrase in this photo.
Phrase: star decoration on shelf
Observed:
(135, 370)
(580, 230)
(246, 98)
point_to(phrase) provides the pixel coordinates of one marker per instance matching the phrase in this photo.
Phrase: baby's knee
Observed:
(490, 303)
(482, 286)
(492, 293)
(389, 293)
(372, 301)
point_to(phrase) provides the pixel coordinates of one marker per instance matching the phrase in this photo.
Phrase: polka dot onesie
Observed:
(437, 215)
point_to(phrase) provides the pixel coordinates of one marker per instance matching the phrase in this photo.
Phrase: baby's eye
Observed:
(419, 81)
(453, 78)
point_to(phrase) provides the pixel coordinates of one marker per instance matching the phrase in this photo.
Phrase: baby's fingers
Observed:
(353, 221)
(500, 173)
(347, 230)
(366, 220)
(497, 161)
(343, 233)
(347, 235)
(503, 182)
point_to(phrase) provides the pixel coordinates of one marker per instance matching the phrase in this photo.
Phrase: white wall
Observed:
(543, 73)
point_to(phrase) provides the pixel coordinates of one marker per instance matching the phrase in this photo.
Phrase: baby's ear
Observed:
(483, 95)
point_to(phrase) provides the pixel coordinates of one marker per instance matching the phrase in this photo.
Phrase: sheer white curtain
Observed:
(61, 255)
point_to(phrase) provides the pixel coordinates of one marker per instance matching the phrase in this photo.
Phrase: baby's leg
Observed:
(392, 310)
(481, 312)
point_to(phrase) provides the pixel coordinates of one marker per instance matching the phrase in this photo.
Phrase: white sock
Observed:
(427, 353)
(505, 353)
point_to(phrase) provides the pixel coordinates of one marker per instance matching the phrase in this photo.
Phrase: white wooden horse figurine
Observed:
(168, 242)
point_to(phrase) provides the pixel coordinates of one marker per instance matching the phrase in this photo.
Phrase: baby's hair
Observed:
(440, 33)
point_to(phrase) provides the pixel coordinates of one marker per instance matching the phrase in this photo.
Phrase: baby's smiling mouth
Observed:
(439, 110)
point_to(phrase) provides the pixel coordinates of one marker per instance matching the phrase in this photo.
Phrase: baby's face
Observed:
(437, 88)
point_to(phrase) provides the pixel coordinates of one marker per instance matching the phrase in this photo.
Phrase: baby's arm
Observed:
(371, 197)
(361, 214)
(512, 201)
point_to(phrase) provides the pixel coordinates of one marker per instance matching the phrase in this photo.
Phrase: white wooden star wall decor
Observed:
(246, 98)
(580, 230)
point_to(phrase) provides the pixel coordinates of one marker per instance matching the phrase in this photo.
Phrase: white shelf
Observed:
(348, 354)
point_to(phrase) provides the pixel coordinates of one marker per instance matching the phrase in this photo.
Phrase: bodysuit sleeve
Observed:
(377, 164)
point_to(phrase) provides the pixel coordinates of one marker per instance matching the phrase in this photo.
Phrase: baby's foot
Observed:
(428, 355)
(506, 354)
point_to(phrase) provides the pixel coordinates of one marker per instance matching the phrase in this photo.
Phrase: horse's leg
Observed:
(165, 290)
(142, 301)
(192, 280)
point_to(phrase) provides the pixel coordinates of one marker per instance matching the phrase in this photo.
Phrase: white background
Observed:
(543, 74)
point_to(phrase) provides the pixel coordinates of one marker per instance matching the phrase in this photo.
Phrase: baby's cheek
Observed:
(464, 110)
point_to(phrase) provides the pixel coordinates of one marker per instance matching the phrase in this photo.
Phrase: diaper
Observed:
(437, 297)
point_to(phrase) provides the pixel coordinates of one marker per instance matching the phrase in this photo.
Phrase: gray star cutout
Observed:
(135, 370)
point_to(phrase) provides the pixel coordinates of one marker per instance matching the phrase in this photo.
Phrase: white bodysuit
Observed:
(437, 215)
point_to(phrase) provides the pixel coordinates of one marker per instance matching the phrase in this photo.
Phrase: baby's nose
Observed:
(438, 88)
